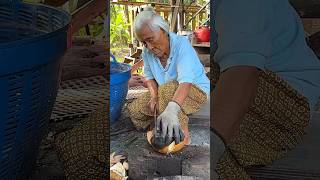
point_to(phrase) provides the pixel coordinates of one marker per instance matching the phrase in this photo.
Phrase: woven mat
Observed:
(96, 82)
(79, 97)
(135, 92)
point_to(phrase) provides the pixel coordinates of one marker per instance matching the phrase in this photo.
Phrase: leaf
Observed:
(119, 170)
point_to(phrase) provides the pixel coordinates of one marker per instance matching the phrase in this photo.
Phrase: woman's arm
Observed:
(153, 88)
(181, 93)
(231, 98)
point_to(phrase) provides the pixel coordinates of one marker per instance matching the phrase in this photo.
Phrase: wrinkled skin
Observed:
(157, 41)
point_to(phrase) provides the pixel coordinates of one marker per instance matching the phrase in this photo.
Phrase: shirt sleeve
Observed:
(146, 66)
(187, 60)
(243, 33)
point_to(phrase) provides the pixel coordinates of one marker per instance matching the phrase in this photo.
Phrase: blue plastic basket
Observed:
(119, 77)
(32, 40)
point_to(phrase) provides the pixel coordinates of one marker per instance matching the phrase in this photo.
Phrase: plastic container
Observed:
(203, 34)
(32, 40)
(120, 74)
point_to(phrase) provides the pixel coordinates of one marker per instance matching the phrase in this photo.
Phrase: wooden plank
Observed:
(87, 13)
(55, 3)
(169, 10)
(130, 3)
(82, 41)
(201, 44)
(128, 59)
(161, 7)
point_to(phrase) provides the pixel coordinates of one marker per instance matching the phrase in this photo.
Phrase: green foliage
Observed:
(119, 35)
(120, 52)
(96, 28)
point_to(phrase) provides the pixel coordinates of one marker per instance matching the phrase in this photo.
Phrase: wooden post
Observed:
(166, 14)
(126, 14)
(185, 19)
(175, 15)
(193, 26)
(132, 21)
(200, 17)
(87, 30)
(172, 2)
(181, 15)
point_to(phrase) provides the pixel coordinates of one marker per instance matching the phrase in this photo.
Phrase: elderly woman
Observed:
(175, 77)
(267, 85)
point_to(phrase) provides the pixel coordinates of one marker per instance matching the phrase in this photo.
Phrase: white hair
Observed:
(153, 20)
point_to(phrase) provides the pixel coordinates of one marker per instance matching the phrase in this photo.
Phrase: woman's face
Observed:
(156, 41)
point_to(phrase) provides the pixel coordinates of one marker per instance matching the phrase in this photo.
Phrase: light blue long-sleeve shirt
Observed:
(267, 34)
(183, 65)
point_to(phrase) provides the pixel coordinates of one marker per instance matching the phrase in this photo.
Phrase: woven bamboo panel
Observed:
(96, 82)
(79, 97)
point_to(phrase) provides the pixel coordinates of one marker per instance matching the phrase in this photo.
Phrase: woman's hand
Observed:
(152, 104)
(137, 80)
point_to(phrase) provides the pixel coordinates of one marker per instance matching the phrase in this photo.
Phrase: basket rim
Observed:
(29, 40)
(119, 77)
(122, 64)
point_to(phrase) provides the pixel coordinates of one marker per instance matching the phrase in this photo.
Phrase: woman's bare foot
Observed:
(187, 138)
